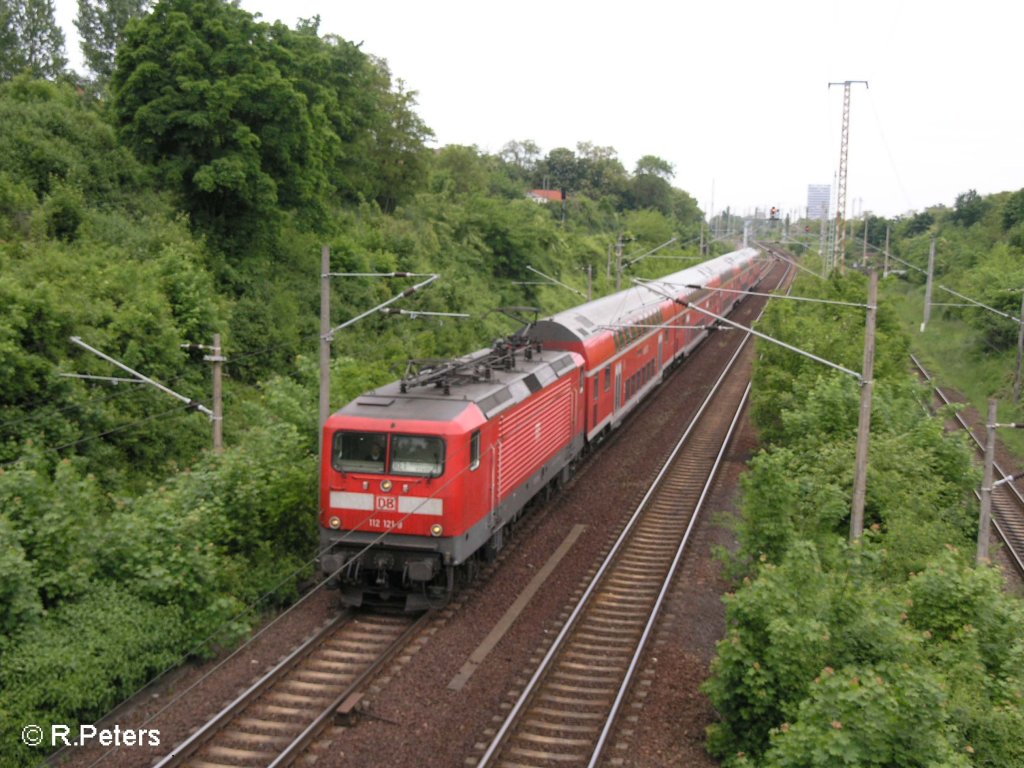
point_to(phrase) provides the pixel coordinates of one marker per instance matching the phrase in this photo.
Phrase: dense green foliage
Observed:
(888, 651)
(187, 191)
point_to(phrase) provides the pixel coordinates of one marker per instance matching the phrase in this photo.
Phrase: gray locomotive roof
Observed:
(618, 308)
(503, 389)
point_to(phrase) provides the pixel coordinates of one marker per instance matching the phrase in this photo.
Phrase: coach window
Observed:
(474, 450)
(359, 451)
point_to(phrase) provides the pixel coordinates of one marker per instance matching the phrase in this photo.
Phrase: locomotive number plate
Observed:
(386, 525)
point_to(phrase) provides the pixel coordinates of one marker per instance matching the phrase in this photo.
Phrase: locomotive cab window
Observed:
(359, 452)
(417, 455)
(474, 450)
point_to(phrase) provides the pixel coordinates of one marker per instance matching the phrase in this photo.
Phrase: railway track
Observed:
(274, 721)
(568, 708)
(1007, 501)
(283, 712)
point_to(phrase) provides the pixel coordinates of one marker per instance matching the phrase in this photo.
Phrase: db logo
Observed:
(387, 503)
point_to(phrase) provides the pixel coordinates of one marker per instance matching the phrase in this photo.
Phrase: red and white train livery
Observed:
(423, 475)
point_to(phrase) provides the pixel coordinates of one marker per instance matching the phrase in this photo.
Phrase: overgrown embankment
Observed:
(893, 650)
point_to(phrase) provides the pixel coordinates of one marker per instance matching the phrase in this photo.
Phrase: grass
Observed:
(958, 357)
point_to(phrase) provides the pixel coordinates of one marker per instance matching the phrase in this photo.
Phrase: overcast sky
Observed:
(735, 95)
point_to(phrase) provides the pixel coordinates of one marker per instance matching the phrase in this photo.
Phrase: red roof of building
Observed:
(546, 194)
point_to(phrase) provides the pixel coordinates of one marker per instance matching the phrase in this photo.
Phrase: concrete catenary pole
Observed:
(1020, 354)
(618, 264)
(864, 420)
(885, 268)
(864, 257)
(325, 346)
(985, 518)
(928, 286)
(217, 358)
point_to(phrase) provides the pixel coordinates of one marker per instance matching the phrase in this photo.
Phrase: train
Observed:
(421, 479)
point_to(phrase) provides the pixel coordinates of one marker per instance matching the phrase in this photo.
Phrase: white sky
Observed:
(735, 95)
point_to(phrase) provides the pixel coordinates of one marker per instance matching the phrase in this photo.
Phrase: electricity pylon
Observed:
(839, 242)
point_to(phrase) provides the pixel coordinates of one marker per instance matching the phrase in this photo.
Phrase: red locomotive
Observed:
(422, 476)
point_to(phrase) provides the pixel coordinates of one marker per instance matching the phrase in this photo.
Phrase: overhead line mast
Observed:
(839, 241)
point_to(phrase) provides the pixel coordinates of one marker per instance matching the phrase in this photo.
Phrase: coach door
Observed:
(618, 386)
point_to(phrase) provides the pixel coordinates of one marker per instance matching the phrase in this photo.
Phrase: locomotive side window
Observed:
(474, 450)
(607, 378)
(359, 451)
(417, 455)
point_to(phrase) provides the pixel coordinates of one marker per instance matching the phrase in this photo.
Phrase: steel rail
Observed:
(189, 747)
(292, 751)
(288, 752)
(1016, 556)
(666, 585)
(587, 600)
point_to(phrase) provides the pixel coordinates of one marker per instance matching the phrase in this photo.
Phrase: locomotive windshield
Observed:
(359, 451)
(415, 455)
(368, 452)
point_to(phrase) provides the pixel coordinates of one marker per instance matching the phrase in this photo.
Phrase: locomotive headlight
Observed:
(436, 529)
(334, 522)
(385, 485)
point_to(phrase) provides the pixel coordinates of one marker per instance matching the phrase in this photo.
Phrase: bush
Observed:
(895, 650)
(863, 716)
(87, 657)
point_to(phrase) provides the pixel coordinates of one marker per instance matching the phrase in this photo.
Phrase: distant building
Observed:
(818, 199)
(545, 195)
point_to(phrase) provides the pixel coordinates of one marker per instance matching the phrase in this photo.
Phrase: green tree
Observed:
(460, 171)
(397, 155)
(202, 92)
(560, 170)
(52, 139)
(522, 156)
(101, 25)
(652, 191)
(655, 166)
(685, 209)
(30, 40)
(918, 224)
(996, 281)
(8, 38)
(365, 129)
(651, 187)
(602, 175)
(1013, 211)
(969, 208)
